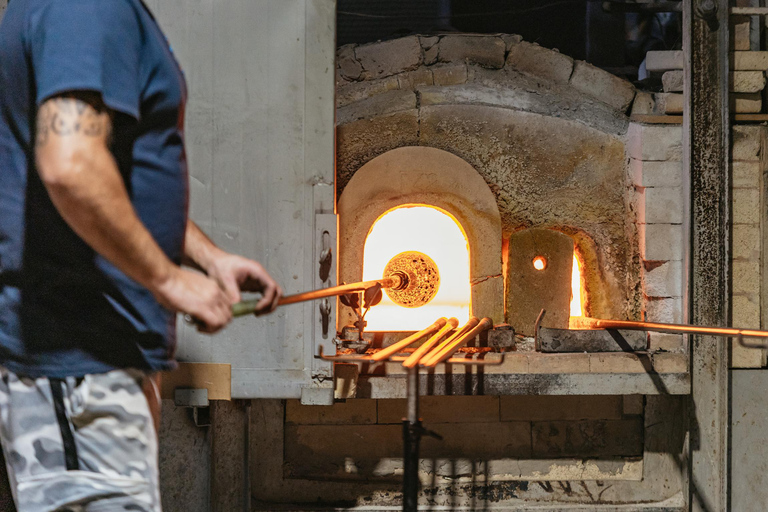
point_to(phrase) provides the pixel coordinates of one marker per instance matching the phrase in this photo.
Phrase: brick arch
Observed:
(429, 176)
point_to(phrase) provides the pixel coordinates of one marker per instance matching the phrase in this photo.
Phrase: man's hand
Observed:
(198, 296)
(235, 274)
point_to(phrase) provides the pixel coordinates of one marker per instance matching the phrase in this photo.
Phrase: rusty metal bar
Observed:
(400, 345)
(412, 360)
(247, 307)
(399, 359)
(706, 163)
(730, 332)
(450, 348)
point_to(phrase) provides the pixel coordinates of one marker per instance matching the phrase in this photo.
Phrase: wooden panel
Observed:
(215, 378)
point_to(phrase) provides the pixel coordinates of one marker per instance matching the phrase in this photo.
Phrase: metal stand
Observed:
(412, 432)
(442, 353)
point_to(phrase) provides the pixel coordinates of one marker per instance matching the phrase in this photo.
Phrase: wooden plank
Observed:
(215, 377)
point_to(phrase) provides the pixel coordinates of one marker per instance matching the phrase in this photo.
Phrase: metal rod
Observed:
(247, 307)
(464, 328)
(400, 345)
(672, 328)
(447, 352)
(413, 360)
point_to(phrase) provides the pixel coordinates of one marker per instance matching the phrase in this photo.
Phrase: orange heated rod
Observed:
(597, 323)
(400, 345)
(471, 323)
(414, 358)
(247, 307)
(450, 348)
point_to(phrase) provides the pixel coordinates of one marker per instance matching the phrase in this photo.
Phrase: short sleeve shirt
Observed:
(65, 310)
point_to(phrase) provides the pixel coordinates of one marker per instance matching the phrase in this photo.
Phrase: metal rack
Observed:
(433, 351)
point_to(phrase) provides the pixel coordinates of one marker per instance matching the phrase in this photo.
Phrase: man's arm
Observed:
(233, 273)
(85, 186)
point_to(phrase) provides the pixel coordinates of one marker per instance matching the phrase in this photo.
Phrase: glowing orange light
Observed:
(576, 309)
(539, 263)
(434, 233)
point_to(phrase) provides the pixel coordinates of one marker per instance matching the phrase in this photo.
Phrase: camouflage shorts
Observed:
(79, 444)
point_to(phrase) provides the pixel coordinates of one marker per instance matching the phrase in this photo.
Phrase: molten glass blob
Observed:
(434, 233)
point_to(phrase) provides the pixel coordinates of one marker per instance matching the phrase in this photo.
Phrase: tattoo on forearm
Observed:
(68, 115)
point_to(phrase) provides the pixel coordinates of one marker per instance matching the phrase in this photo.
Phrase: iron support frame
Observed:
(706, 154)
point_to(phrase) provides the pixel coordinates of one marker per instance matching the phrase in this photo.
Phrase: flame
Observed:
(576, 309)
(438, 235)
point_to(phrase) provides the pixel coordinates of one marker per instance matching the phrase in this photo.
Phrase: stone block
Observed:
(660, 205)
(656, 174)
(413, 79)
(749, 61)
(664, 280)
(358, 91)
(558, 363)
(746, 206)
(666, 342)
(739, 33)
(589, 438)
(664, 362)
(348, 65)
(619, 363)
(535, 60)
(669, 103)
(632, 405)
(672, 81)
(352, 412)
(743, 103)
(746, 241)
(745, 312)
(547, 408)
(746, 277)
(443, 409)
(664, 60)
(655, 142)
(390, 57)
(643, 104)
(747, 81)
(661, 242)
(428, 42)
(667, 310)
(602, 85)
(485, 51)
(746, 143)
(510, 40)
(744, 357)
(430, 55)
(489, 441)
(746, 174)
(449, 74)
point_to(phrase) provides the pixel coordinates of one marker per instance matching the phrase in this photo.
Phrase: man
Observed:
(93, 228)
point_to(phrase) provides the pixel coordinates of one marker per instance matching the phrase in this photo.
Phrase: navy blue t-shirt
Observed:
(65, 310)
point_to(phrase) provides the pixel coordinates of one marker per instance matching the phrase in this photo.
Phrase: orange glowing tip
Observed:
(539, 262)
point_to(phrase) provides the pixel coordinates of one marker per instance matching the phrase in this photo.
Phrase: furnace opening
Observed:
(430, 231)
